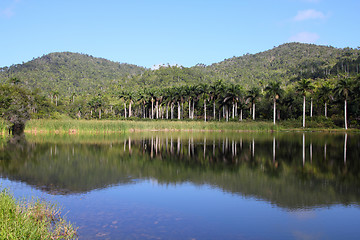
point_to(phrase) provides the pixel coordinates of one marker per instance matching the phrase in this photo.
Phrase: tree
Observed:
(215, 91)
(324, 94)
(253, 95)
(204, 92)
(304, 86)
(56, 95)
(15, 106)
(343, 89)
(274, 92)
(14, 81)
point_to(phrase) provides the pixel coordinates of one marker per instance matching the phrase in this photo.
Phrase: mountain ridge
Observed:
(67, 72)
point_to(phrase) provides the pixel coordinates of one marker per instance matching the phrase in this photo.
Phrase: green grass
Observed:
(94, 126)
(31, 220)
(123, 126)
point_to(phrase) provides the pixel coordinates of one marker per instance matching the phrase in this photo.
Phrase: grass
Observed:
(31, 220)
(93, 126)
(122, 126)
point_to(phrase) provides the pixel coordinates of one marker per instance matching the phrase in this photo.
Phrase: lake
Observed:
(186, 185)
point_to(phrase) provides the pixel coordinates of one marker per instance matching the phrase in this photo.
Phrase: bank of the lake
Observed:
(111, 126)
(32, 220)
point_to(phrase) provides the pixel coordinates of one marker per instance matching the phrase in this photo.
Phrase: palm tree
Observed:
(73, 96)
(343, 89)
(215, 91)
(131, 97)
(232, 98)
(56, 95)
(303, 86)
(274, 92)
(124, 95)
(324, 93)
(142, 96)
(152, 98)
(204, 92)
(188, 94)
(179, 98)
(253, 95)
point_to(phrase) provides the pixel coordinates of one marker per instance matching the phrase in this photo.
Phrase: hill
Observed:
(288, 62)
(67, 72)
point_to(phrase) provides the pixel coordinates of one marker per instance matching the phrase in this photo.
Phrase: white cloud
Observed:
(309, 14)
(305, 37)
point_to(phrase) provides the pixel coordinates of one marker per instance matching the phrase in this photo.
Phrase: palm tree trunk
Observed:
(193, 110)
(172, 110)
(125, 109)
(311, 108)
(227, 113)
(189, 109)
(182, 111)
(130, 109)
(274, 110)
(304, 108)
(236, 109)
(345, 114)
(233, 111)
(152, 109)
(325, 109)
(205, 110)
(214, 110)
(167, 111)
(99, 113)
(157, 109)
(178, 110)
(253, 109)
(241, 114)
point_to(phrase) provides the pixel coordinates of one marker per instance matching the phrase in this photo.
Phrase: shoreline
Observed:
(136, 126)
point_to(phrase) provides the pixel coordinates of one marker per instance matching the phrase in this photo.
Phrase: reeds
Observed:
(111, 126)
(32, 220)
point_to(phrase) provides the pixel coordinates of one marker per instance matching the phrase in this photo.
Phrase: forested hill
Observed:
(67, 73)
(288, 62)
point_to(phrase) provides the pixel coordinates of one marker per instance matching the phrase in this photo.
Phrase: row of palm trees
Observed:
(220, 100)
(230, 100)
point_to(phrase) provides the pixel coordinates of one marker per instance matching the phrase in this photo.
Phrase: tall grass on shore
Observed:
(94, 126)
(31, 220)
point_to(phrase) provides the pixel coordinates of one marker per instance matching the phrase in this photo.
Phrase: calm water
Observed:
(193, 186)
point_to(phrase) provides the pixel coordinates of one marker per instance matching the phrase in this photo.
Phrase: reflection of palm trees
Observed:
(303, 149)
(345, 146)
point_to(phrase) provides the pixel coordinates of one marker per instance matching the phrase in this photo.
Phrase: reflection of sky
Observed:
(186, 211)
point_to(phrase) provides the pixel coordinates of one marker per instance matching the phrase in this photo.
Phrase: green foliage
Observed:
(66, 73)
(31, 220)
(84, 87)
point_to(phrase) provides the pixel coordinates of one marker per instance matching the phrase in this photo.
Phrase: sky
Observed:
(183, 32)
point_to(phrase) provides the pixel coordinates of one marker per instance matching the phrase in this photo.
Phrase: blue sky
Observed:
(185, 32)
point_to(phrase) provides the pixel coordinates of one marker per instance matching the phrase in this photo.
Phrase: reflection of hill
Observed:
(230, 164)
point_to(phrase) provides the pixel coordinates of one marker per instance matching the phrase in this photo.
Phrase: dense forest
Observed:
(291, 81)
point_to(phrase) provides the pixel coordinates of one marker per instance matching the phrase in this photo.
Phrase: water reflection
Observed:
(295, 170)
